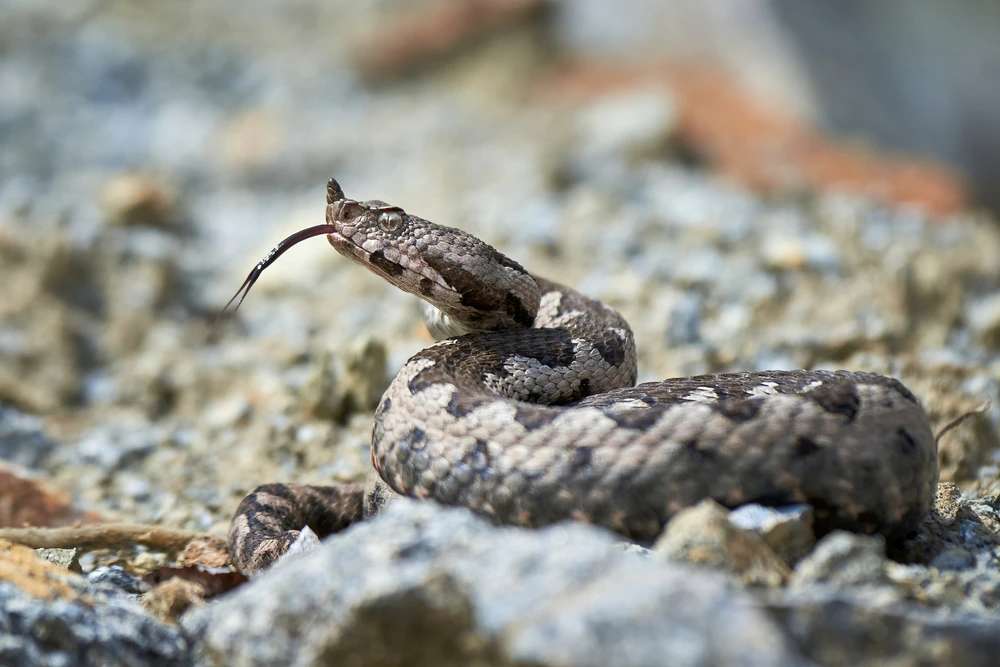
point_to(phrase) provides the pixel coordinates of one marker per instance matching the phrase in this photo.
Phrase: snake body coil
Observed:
(526, 412)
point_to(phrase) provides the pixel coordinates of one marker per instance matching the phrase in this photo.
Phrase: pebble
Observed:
(631, 125)
(843, 559)
(705, 535)
(138, 199)
(788, 529)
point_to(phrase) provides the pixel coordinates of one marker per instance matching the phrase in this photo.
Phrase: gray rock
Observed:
(788, 530)
(703, 535)
(75, 633)
(955, 558)
(684, 320)
(835, 628)
(843, 559)
(421, 585)
(67, 558)
(112, 447)
(634, 124)
(984, 319)
(22, 440)
(117, 577)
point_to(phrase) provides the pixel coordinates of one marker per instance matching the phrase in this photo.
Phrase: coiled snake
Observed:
(525, 412)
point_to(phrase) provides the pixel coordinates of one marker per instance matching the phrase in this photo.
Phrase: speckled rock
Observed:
(421, 585)
(704, 535)
(788, 530)
(22, 439)
(843, 559)
(52, 617)
(842, 629)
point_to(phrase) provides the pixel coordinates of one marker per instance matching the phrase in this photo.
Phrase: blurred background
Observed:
(753, 184)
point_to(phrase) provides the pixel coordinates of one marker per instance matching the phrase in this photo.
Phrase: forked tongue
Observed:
(276, 252)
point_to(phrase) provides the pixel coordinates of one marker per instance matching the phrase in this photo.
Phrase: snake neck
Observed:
(441, 325)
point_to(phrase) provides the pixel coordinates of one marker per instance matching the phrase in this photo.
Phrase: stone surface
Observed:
(840, 629)
(22, 439)
(843, 559)
(154, 410)
(704, 535)
(631, 125)
(67, 558)
(788, 530)
(420, 585)
(119, 578)
(52, 617)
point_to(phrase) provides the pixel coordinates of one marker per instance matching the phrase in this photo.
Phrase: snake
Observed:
(526, 411)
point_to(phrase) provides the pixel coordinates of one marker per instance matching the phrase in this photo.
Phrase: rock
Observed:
(67, 558)
(423, 585)
(169, 600)
(137, 199)
(835, 628)
(49, 616)
(788, 530)
(634, 124)
(365, 377)
(954, 558)
(117, 577)
(955, 524)
(984, 319)
(684, 320)
(115, 446)
(28, 501)
(843, 559)
(781, 252)
(704, 535)
(329, 394)
(22, 439)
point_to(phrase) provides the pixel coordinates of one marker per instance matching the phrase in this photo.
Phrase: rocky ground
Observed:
(150, 159)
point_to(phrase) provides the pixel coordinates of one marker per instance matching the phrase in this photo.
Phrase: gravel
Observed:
(153, 157)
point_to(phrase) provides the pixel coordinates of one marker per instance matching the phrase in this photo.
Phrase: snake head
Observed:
(472, 286)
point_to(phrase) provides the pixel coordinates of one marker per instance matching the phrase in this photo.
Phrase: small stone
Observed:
(788, 530)
(635, 124)
(365, 378)
(843, 559)
(169, 600)
(67, 558)
(984, 318)
(138, 199)
(306, 541)
(704, 535)
(784, 254)
(22, 439)
(319, 394)
(954, 558)
(113, 447)
(208, 551)
(118, 577)
(684, 320)
(227, 412)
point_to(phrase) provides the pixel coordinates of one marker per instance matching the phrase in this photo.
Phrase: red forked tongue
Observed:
(269, 258)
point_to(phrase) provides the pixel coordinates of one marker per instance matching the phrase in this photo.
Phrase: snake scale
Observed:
(525, 411)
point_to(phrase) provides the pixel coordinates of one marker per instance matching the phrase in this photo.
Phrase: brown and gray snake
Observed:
(526, 412)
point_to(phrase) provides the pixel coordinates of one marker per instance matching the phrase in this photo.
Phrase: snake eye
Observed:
(390, 221)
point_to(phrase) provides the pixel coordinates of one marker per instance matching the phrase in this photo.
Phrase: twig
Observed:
(961, 418)
(103, 535)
